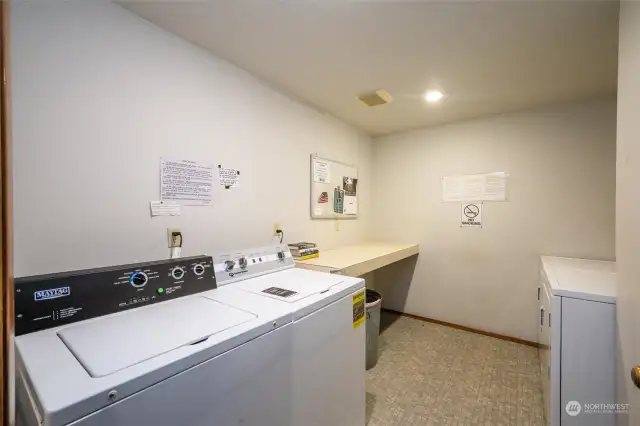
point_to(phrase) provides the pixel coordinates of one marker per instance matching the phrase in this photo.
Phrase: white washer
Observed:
(198, 359)
(328, 372)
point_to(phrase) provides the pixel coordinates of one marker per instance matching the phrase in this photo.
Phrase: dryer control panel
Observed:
(242, 264)
(52, 300)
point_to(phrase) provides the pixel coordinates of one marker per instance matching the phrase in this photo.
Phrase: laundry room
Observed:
(337, 213)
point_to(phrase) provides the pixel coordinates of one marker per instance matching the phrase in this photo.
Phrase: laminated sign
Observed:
(358, 309)
(471, 215)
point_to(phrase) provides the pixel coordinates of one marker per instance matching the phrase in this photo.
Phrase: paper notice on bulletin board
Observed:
(483, 187)
(321, 171)
(189, 183)
(350, 186)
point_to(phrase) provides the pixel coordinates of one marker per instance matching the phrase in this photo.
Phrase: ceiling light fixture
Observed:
(433, 96)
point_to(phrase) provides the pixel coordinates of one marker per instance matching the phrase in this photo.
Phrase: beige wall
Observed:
(561, 165)
(99, 95)
(628, 208)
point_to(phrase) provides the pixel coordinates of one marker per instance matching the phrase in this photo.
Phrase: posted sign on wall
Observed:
(471, 215)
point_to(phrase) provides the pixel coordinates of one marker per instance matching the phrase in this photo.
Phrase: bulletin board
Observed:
(335, 189)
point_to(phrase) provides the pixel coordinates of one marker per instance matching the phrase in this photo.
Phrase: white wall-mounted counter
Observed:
(359, 259)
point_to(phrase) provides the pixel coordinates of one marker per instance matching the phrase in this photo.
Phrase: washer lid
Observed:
(291, 285)
(113, 343)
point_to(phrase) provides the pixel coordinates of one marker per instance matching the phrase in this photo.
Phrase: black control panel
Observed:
(52, 300)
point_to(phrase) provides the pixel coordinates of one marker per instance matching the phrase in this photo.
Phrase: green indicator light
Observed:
(160, 290)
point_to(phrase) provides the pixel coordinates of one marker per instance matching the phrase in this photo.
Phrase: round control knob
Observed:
(177, 273)
(242, 262)
(198, 269)
(138, 279)
(229, 264)
(281, 256)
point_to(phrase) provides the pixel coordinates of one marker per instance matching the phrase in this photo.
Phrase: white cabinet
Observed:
(576, 334)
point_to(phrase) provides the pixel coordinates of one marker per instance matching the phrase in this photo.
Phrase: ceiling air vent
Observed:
(371, 99)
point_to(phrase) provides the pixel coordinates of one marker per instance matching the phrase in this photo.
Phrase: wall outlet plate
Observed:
(170, 241)
(276, 226)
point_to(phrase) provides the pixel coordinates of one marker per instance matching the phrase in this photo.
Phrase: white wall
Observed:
(100, 95)
(561, 165)
(628, 208)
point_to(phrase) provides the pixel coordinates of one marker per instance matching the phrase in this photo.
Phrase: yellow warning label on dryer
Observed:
(358, 309)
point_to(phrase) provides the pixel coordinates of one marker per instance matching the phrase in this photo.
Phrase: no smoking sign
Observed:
(471, 215)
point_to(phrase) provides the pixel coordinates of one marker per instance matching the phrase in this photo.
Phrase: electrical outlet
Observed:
(276, 226)
(172, 243)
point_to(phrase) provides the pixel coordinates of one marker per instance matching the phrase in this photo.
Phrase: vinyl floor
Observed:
(430, 374)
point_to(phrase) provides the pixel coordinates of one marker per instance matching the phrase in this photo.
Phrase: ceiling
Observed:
(487, 56)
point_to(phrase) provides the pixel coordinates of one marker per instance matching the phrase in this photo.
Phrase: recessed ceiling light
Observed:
(433, 96)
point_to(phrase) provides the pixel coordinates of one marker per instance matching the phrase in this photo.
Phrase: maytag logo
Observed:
(231, 274)
(52, 293)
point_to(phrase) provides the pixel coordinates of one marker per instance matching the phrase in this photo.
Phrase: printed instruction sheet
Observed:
(483, 187)
(189, 183)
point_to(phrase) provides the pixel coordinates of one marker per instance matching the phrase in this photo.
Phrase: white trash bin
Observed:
(372, 307)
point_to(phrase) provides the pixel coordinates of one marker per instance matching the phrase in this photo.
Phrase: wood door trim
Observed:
(6, 225)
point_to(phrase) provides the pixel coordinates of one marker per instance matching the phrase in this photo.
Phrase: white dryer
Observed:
(149, 344)
(328, 369)
(576, 334)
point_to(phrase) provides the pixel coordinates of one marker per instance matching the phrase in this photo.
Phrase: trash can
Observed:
(372, 307)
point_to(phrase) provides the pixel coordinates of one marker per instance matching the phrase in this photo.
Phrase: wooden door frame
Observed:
(7, 400)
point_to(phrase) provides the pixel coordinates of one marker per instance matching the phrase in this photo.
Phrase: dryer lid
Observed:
(593, 280)
(107, 345)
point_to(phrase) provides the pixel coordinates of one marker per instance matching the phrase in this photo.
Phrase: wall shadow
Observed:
(393, 283)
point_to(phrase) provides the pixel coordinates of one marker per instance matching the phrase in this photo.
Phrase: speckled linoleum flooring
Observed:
(430, 374)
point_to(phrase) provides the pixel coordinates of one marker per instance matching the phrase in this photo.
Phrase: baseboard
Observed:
(465, 328)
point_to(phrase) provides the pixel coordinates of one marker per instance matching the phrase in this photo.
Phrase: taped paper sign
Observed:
(229, 178)
(164, 208)
(358, 309)
(471, 215)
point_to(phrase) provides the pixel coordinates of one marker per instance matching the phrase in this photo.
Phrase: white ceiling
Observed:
(488, 56)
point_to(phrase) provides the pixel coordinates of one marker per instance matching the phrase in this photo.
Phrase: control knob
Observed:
(198, 269)
(242, 262)
(281, 256)
(177, 273)
(138, 279)
(229, 264)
